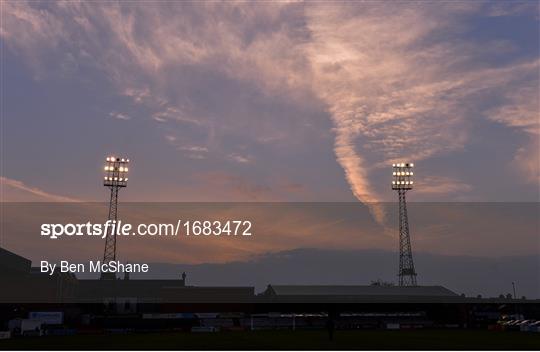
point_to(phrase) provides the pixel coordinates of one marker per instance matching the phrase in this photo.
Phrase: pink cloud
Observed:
(17, 191)
(390, 96)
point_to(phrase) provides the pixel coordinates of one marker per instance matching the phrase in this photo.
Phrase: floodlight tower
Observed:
(402, 182)
(115, 178)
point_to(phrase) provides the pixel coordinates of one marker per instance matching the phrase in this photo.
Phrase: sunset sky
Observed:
(280, 102)
(262, 101)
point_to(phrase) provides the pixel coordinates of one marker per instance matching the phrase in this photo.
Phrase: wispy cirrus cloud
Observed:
(238, 158)
(521, 112)
(17, 191)
(437, 185)
(394, 91)
(119, 115)
(398, 81)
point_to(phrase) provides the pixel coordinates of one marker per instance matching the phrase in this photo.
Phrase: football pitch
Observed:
(289, 340)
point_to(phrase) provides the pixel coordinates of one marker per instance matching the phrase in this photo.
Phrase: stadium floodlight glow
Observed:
(402, 176)
(114, 168)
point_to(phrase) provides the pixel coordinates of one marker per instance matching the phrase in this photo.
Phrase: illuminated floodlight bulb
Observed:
(121, 179)
(123, 160)
(125, 169)
(126, 179)
(121, 169)
(393, 165)
(411, 173)
(411, 182)
(412, 165)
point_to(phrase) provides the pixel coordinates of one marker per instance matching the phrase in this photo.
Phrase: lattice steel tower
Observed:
(115, 178)
(402, 182)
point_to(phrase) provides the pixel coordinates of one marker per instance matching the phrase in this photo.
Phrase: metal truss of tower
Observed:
(407, 274)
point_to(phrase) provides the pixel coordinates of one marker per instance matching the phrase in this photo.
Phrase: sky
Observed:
(277, 102)
(283, 101)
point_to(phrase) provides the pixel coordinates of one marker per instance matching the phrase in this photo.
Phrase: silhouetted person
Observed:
(184, 278)
(330, 326)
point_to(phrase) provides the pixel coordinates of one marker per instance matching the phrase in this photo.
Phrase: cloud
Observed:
(437, 185)
(172, 113)
(17, 191)
(119, 115)
(398, 80)
(30, 31)
(241, 159)
(527, 161)
(504, 8)
(521, 112)
(395, 91)
(194, 151)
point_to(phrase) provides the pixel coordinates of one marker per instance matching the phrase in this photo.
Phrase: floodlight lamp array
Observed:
(402, 174)
(116, 170)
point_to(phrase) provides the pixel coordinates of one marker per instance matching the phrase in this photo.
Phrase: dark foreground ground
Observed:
(291, 340)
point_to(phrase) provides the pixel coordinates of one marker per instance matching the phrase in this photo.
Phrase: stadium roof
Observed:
(358, 294)
(339, 290)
